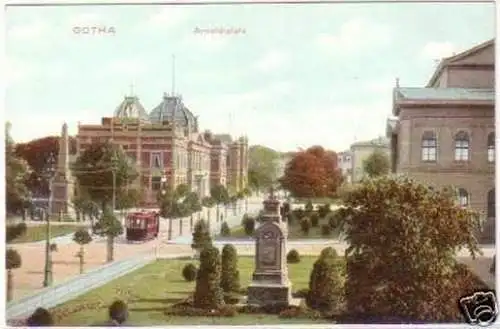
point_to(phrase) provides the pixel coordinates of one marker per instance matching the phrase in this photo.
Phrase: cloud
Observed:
(272, 61)
(29, 31)
(354, 35)
(19, 71)
(438, 50)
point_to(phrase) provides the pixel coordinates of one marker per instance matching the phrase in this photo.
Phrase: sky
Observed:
(287, 76)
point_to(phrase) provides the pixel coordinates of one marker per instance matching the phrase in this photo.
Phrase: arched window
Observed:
(462, 146)
(491, 203)
(491, 147)
(429, 146)
(463, 197)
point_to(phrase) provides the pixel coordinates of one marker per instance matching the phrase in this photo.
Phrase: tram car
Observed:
(142, 225)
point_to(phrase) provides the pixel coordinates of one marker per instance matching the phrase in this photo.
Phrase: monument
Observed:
(270, 283)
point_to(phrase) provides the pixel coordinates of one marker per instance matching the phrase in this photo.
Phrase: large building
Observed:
(444, 133)
(360, 151)
(344, 162)
(167, 144)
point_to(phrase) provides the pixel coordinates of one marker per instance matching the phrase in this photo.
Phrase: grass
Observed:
(151, 289)
(38, 233)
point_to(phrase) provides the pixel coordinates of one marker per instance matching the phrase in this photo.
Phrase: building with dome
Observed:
(167, 143)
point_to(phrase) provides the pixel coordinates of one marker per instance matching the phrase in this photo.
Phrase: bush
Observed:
(293, 257)
(292, 312)
(325, 285)
(301, 293)
(189, 272)
(231, 298)
(225, 230)
(187, 309)
(14, 231)
(328, 252)
(314, 219)
(40, 318)
(326, 230)
(299, 213)
(324, 210)
(305, 225)
(118, 311)
(309, 206)
(208, 292)
(230, 276)
(248, 225)
(201, 235)
(285, 210)
(333, 219)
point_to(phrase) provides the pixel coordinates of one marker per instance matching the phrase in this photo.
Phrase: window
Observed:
(463, 197)
(491, 147)
(429, 146)
(155, 183)
(491, 203)
(462, 146)
(156, 161)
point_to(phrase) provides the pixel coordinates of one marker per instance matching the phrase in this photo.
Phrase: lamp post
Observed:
(163, 192)
(49, 175)
(114, 167)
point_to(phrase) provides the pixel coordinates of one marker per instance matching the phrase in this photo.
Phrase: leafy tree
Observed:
(325, 284)
(208, 293)
(377, 164)
(326, 230)
(110, 227)
(82, 237)
(312, 173)
(248, 225)
(309, 207)
(201, 236)
(405, 235)
(324, 210)
(220, 195)
(192, 204)
(93, 170)
(225, 230)
(130, 198)
(230, 276)
(12, 261)
(247, 192)
(262, 167)
(208, 202)
(314, 219)
(328, 252)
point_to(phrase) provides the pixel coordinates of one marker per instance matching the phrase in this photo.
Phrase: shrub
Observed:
(13, 231)
(309, 206)
(249, 225)
(326, 230)
(328, 252)
(305, 225)
(187, 309)
(325, 285)
(208, 292)
(299, 213)
(118, 311)
(189, 272)
(201, 235)
(230, 276)
(314, 219)
(285, 210)
(40, 318)
(293, 257)
(324, 210)
(225, 230)
(292, 312)
(232, 298)
(333, 219)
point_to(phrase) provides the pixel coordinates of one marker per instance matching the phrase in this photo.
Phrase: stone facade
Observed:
(168, 143)
(360, 151)
(344, 162)
(444, 134)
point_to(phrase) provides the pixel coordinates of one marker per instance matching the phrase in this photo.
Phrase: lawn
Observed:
(38, 233)
(149, 290)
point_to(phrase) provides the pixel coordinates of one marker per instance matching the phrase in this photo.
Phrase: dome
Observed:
(165, 111)
(131, 108)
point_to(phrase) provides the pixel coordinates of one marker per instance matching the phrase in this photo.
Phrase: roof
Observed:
(225, 138)
(445, 94)
(130, 107)
(170, 106)
(445, 61)
(380, 141)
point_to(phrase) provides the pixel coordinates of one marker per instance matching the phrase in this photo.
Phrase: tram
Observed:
(142, 225)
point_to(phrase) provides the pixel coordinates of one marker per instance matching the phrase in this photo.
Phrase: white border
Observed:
(3, 70)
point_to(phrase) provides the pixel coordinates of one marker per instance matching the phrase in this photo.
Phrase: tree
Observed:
(247, 192)
(193, 205)
(377, 164)
(208, 292)
(208, 202)
(325, 284)
(262, 167)
(12, 261)
(13, 231)
(230, 276)
(405, 235)
(94, 171)
(82, 237)
(110, 227)
(312, 173)
(201, 236)
(220, 196)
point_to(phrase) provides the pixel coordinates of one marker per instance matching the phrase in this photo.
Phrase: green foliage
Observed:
(293, 257)
(193, 202)
(325, 285)
(208, 292)
(262, 167)
(309, 206)
(40, 318)
(201, 235)
(230, 276)
(130, 198)
(328, 252)
(405, 235)
(118, 311)
(189, 272)
(93, 170)
(305, 225)
(15, 231)
(248, 225)
(314, 219)
(334, 219)
(12, 259)
(324, 210)
(108, 225)
(225, 230)
(299, 213)
(326, 230)
(377, 164)
(82, 237)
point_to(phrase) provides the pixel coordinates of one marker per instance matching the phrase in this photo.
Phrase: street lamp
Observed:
(163, 192)
(49, 173)
(114, 167)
